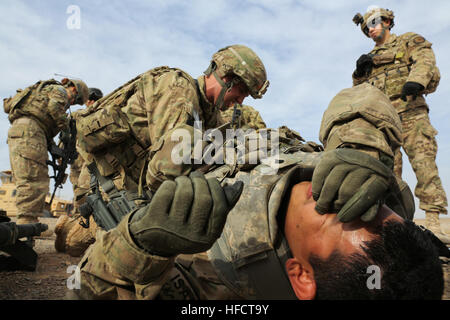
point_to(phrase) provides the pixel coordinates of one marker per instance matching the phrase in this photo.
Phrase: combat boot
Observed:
(433, 224)
(80, 238)
(62, 228)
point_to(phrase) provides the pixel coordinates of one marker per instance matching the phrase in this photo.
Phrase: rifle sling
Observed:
(106, 184)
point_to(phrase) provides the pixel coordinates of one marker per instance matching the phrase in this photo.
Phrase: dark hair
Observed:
(95, 94)
(408, 261)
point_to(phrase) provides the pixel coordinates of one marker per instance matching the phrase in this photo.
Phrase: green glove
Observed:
(351, 182)
(185, 216)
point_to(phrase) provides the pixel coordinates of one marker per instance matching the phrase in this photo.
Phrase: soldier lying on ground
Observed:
(324, 258)
(275, 226)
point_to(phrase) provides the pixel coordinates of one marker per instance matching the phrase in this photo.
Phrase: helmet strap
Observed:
(226, 87)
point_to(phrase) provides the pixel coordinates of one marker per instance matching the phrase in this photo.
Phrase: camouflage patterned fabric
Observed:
(404, 58)
(361, 116)
(161, 100)
(75, 170)
(37, 114)
(28, 155)
(244, 63)
(114, 267)
(35, 118)
(421, 148)
(250, 117)
(47, 103)
(187, 276)
(71, 237)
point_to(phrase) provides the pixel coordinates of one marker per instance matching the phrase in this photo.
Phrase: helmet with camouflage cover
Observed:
(240, 61)
(82, 90)
(370, 18)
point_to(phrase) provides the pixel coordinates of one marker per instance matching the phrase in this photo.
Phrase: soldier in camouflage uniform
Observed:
(124, 132)
(145, 256)
(36, 115)
(133, 122)
(71, 237)
(404, 67)
(249, 117)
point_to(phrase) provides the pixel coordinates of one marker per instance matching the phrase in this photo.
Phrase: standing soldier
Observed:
(37, 114)
(404, 68)
(249, 117)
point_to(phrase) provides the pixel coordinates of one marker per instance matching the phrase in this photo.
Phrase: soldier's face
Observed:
(72, 93)
(378, 32)
(309, 232)
(237, 94)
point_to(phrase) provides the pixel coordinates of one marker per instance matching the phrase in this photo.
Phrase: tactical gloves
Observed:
(364, 66)
(351, 183)
(411, 89)
(185, 216)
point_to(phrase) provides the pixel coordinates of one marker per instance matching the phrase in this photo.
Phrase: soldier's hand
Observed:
(364, 65)
(351, 183)
(185, 216)
(411, 89)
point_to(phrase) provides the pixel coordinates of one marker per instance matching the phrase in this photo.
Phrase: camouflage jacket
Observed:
(136, 121)
(46, 102)
(250, 118)
(403, 58)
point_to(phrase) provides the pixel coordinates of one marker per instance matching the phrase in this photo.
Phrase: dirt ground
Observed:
(49, 281)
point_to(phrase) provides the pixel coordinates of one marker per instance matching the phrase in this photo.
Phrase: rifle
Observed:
(67, 155)
(107, 215)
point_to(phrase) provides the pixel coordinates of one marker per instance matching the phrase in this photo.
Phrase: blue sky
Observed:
(309, 49)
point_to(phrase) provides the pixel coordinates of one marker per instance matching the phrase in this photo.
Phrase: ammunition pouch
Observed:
(103, 128)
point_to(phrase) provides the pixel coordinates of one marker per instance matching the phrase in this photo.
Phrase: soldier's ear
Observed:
(64, 81)
(302, 279)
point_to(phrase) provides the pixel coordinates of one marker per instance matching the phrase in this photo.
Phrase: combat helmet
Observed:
(371, 16)
(82, 90)
(95, 94)
(240, 61)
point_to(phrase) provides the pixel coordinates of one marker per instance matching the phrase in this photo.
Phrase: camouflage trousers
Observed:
(115, 268)
(28, 155)
(419, 143)
(80, 179)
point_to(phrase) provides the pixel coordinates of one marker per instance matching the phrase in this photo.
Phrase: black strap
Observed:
(106, 184)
